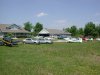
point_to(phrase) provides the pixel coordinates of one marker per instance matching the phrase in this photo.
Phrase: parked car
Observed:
(30, 41)
(85, 39)
(73, 39)
(88, 39)
(62, 36)
(98, 39)
(49, 38)
(45, 41)
(1, 43)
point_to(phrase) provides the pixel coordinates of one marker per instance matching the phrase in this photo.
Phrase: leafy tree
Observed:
(90, 29)
(81, 31)
(67, 29)
(98, 29)
(28, 26)
(95, 34)
(73, 30)
(37, 28)
(9, 35)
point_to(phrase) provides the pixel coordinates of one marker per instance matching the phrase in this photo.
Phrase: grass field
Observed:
(51, 59)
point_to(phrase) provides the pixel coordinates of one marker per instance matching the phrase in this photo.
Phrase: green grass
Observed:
(51, 59)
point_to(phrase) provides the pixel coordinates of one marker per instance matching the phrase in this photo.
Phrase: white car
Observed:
(90, 39)
(98, 39)
(45, 41)
(30, 41)
(73, 39)
(48, 38)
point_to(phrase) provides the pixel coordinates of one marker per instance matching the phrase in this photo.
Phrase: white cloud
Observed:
(41, 14)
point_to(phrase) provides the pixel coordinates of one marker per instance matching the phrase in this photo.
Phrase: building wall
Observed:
(14, 30)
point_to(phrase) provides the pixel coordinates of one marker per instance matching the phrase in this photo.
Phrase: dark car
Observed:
(62, 36)
(1, 43)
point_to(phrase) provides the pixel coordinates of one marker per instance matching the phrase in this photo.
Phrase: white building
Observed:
(14, 29)
(53, 33)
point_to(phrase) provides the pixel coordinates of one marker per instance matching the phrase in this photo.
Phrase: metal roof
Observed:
(4, 28)
(52, 31)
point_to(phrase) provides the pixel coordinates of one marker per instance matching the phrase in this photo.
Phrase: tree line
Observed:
(90, 30)
(33, 29)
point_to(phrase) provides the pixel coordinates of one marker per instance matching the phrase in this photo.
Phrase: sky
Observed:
(53, 14)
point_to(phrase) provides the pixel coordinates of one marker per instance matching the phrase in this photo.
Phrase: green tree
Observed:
(81, 31)
(67, 29)
(73, 30)
(90, 29)
(9, 35)
(28, 26)
(37, 28)
(98, 29)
